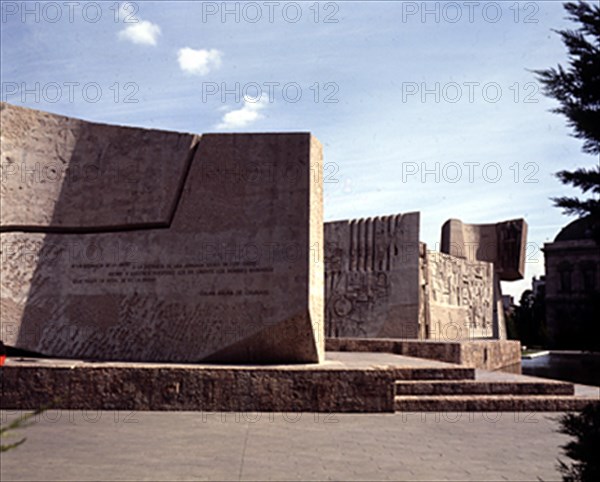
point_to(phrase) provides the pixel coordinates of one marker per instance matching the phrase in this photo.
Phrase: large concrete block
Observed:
(502, 243)
(381, 282)
(140, 245)
(372, 277)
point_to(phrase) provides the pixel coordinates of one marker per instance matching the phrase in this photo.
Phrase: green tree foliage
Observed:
(585, 428)
(577, 89)
(527, 320)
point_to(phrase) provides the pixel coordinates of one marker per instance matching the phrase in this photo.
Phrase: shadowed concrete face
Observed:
(131, 244)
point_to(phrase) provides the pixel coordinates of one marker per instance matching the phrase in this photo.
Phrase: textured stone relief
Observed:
(381, 282)
(367, 262)
(460, 293)
(209, 255)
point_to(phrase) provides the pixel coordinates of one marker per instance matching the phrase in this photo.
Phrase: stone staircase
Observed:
(473, 395)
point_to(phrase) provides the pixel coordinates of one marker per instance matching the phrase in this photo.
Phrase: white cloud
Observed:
(198, 62)
(248, 113)
(142, 32)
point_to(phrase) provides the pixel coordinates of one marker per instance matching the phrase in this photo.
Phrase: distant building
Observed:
(572, 286)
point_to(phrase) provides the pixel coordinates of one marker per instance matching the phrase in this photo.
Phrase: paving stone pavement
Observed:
(76, 445)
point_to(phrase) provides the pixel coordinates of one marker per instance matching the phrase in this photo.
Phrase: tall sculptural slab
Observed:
(372, 277)
(503, 244)
(130, 244)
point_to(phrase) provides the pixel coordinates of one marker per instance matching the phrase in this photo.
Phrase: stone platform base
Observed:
(345, 382)
(484, 354)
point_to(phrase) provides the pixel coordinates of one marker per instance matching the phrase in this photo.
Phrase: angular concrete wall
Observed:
(372, 277)
(182, 248)
(64, 174)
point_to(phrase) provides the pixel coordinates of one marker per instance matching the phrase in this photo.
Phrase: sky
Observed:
(420, 106)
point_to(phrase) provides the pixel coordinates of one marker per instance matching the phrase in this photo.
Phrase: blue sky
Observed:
(483, 132)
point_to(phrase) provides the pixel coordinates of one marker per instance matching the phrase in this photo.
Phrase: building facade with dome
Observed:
(572, 297)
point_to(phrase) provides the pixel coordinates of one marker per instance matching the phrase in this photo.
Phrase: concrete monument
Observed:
(503, 244)
(381, 282)
(130, 244)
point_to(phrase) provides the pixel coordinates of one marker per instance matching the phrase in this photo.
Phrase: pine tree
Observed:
(577, 89)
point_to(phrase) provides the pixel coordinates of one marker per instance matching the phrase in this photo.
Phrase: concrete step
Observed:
(442, 374)
(490, 403)
(474, 387)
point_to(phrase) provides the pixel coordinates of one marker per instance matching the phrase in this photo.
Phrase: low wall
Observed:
(484, 354)
(128, 386)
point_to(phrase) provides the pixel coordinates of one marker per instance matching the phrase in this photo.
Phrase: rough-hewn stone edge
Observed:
(170, 388)
(491, 403)
(483, 354)
(478, 388)
(490, 355)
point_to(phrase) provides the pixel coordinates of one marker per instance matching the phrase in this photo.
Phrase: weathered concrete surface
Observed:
(502, 244)
(210, 250)
(459, 297)
(60, 173)
(372, 277)
(484, 354)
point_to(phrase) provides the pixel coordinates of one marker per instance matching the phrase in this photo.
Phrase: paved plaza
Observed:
(75, 445)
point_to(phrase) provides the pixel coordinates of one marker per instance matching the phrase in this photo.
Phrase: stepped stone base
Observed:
(484, 354)
(490, 403)
(473, 387)
(345, 382)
